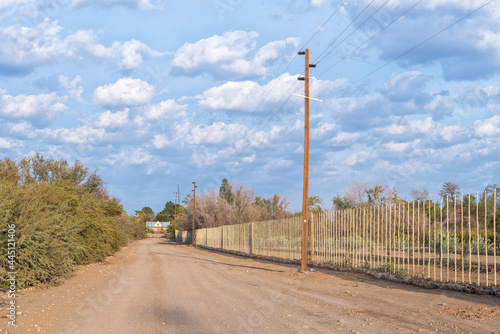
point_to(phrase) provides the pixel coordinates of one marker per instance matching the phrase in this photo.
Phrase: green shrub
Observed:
(63, 218)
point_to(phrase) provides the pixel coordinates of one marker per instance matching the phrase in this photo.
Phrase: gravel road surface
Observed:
(157, 286)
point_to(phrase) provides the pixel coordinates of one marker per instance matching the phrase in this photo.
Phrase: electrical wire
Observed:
(345, 29)
(415, 47)
(368, 40)
(362, 23)
(271, 111)
(291, 62)
(272, 153)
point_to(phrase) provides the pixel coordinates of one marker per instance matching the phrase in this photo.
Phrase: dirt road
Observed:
(156, 286)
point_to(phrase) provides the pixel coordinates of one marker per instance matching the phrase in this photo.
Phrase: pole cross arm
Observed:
(307, 97)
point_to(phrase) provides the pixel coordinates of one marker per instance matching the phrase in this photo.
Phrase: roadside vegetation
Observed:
(234, 203)
(63, 217)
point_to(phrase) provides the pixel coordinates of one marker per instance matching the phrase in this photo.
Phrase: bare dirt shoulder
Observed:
(39, 308)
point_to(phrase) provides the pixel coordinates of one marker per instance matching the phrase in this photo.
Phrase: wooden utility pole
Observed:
(194, 211)
(305, 198)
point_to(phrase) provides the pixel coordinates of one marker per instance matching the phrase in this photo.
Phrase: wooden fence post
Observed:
(312, 237)
(251, 238)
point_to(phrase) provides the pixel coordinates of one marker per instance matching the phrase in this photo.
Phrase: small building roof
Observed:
(157, 224)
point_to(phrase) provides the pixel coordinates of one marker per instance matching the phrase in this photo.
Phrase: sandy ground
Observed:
(156, 286)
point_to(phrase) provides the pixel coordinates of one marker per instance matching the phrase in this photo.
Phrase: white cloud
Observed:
(205, 158)
(24, 47)
(8, 3)
(124, 92)
(216, 133)
(248, 95)
(136, 157)
(426, 126)
(74, 88)
(110, 119)
(488, 128)
(395, 129)
(344, 138)
(407, 86)
(441, 103)
(132, 53)
(316, 3)
(82, 135)
(161, 141)
(166, 109)
(453, 133)
(249, 159)
(322, 129)
(398, 147)
(357, 158)
(6, 143)
(232, 53)
(140, 4)
(278, 163)
(23, 129)
(21, 106)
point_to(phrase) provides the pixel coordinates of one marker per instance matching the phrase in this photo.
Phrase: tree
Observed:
(272, 208)
(226, 192)
(382, 193)
(376, 194)
(358, 193)
(342, 203)
(315, 204)
(244, 198)
(450, 190)
(168, 212)
(147, 210)
(420, 195)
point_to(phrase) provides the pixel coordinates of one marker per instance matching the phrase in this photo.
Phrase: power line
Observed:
(366, 20)
(416, 46)
(239, 154)
(322, 26)
(271, 154)
(291, 61)
(375, 35)
(270, 112)
(345, 29)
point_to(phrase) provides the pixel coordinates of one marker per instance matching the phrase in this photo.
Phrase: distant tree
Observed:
(226, 192)
(147, 210)
(450, 189)
(342, 203)
(168, 212)
(362, 194)
(244, 199)
(382, 193)
(315, 204)
(358, 193)
(272, 208)
(160, 217)
(376, 194)
(420, 195)
(139, 215)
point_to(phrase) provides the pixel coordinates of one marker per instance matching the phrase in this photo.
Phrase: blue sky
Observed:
(159, 93)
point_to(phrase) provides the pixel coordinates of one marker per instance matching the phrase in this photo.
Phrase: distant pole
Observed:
(305, 198)
(194, 211)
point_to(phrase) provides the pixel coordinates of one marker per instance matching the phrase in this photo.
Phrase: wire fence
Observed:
(450, 240)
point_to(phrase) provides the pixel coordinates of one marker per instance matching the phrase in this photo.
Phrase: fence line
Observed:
(453, 240)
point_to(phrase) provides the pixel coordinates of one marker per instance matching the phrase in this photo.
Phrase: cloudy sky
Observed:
(160, 93)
